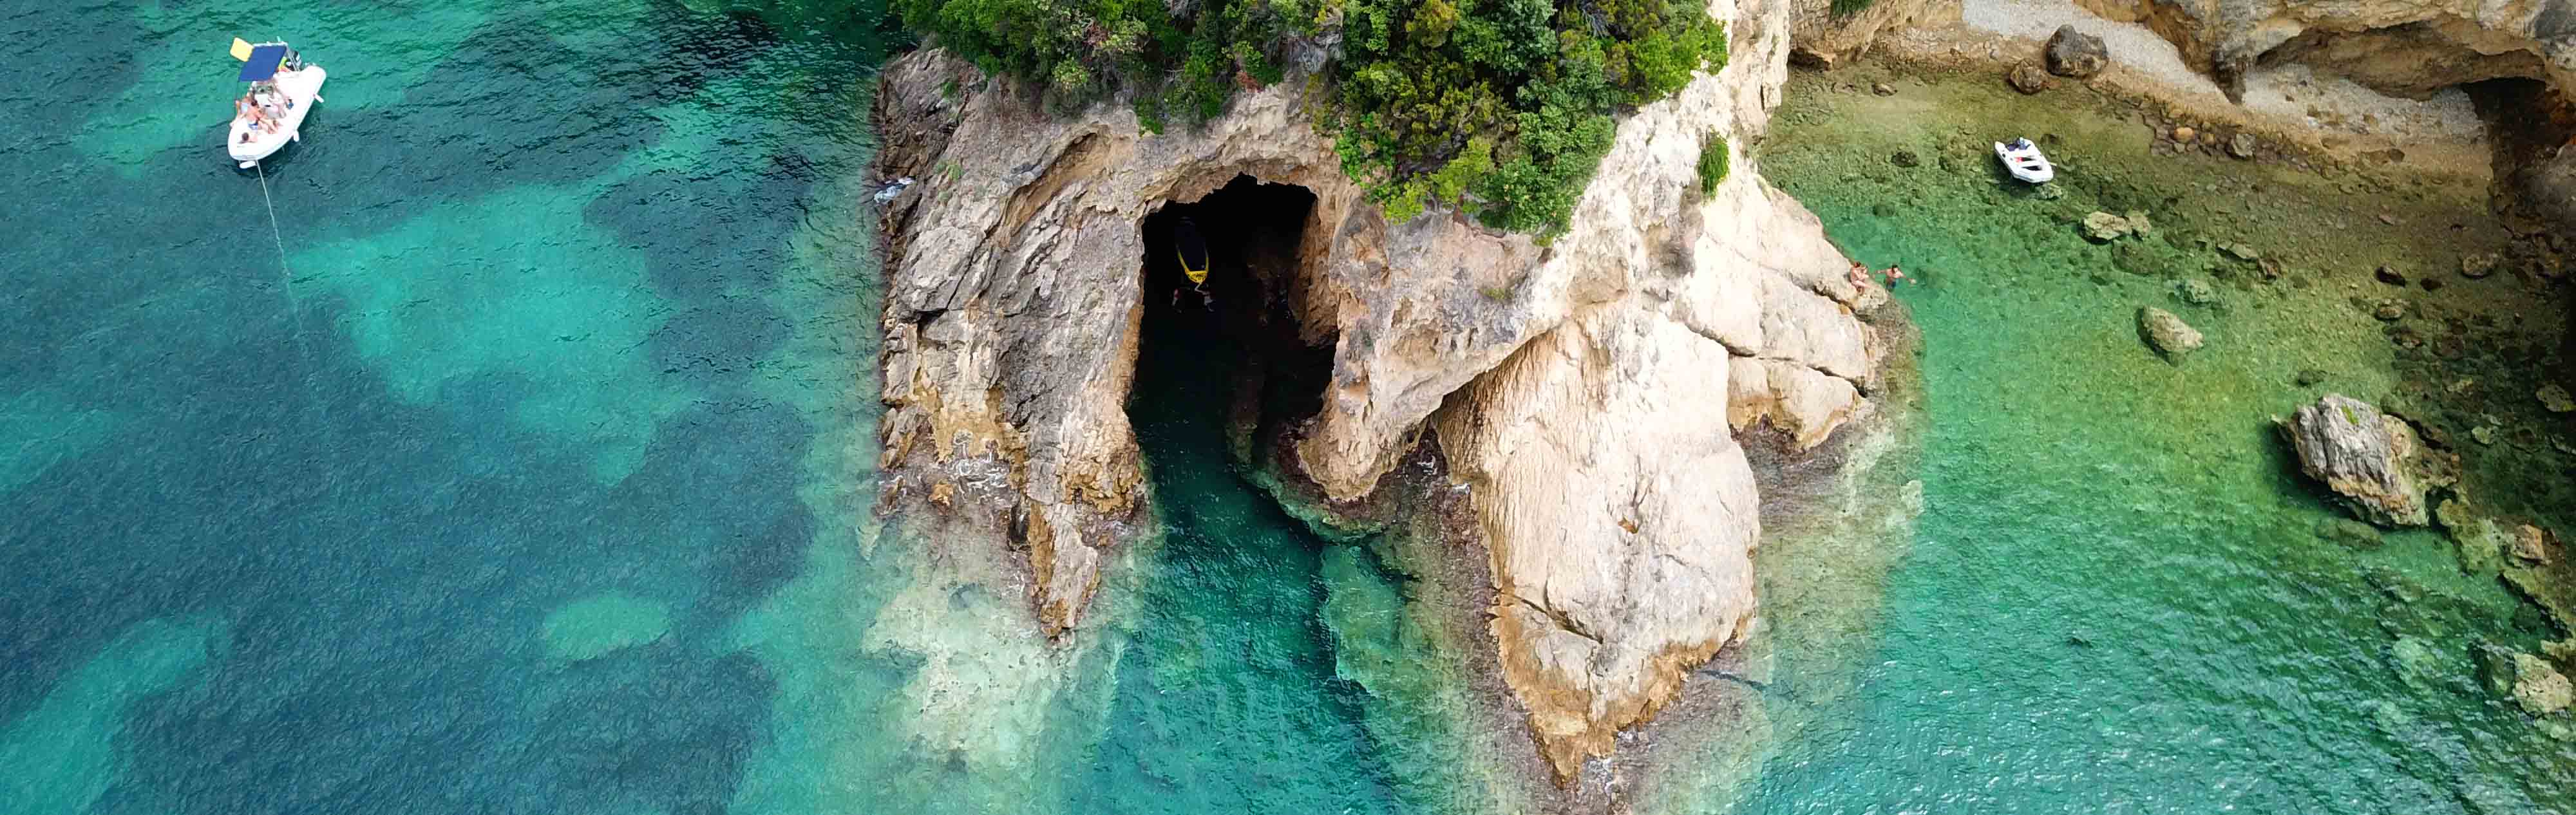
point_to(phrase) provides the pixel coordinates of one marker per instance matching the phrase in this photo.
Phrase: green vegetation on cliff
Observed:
(1499, 107)
(1712, 164)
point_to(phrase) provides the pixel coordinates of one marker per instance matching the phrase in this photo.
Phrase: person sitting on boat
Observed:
(249, 107)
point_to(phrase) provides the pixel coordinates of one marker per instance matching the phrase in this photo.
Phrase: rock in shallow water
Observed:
(2196, 291)
(2479, 265)
(2168, 334)
(2371, 460)
(2075, 54)
(2104, 227)
(2350, 533)
(2028, 78)
(2539, 687)
(2555, 398)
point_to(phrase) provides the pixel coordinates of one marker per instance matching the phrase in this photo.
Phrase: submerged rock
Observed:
(2028, 78)
(2349, 532)
(2538, 686)
(2389, 276)
(2371, 460)
(2555, 398)
(2479, 541)
(2075, 54)
(2196, 292)
(2534, 546)
(2104, 227)
(2242, 145)
(2168, 334)
(2474, 266)
(2416, 660)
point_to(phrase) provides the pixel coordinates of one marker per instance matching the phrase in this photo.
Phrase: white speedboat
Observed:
(2023, 160)
(284, 88)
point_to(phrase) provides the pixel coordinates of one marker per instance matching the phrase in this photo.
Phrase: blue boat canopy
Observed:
(263, 62)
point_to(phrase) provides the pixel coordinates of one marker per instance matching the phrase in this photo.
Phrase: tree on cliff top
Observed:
(1499, 107)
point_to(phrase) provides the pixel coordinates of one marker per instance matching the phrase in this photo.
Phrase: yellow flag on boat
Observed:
(241, 49)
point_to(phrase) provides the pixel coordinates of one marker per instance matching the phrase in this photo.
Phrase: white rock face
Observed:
(1621, 512)
(1593, 409)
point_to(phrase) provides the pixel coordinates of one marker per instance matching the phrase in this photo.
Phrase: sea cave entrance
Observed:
(1228, 684)
(1235, 356)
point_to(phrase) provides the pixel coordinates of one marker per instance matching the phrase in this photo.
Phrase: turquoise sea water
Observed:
(2116, 600)
(537, 480)
(529, 483)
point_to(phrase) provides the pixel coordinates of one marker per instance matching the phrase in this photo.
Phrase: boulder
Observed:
(2075, 54)
(2417, 661)
(2028, 78)
(2104, 227)
(2474, 266)
(2555, 398)
(2196, 291)
(2481, 541)
(2350, 533)
(2168, 334)
(2533, 546)
(2539, 687)
(2372, 461)
(2389, 276)
(2242, 145)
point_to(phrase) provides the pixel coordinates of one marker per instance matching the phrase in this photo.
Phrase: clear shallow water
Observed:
(2116, 601)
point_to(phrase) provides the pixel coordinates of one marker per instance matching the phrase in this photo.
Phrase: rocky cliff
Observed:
(1589, 390)
(2407, 48)
(2400, 47)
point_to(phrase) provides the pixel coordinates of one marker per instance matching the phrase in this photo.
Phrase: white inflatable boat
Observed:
(2023, 160)
(283, 90)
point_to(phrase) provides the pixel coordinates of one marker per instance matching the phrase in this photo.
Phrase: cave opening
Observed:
(1232, 647)
(1232, 350)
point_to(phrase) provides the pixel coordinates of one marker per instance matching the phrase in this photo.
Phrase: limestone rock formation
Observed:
(2168, 334)
(2372, 461)
(2104, 227)
(2539, 687)
(2075, 54)
(2028, 78)
(2402, 48)
(1587, 391)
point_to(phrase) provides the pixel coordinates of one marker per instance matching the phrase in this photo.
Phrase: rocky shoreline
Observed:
(2411, 297)
(1616, 560)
